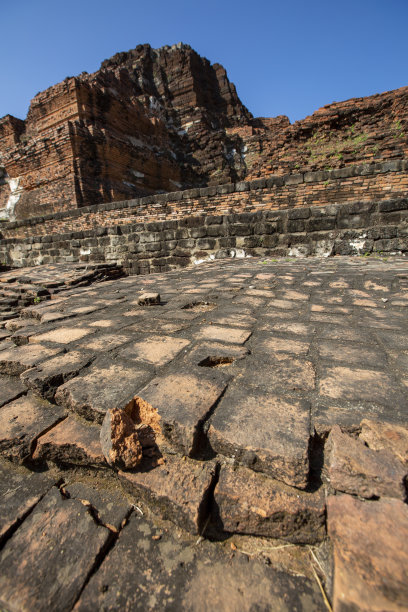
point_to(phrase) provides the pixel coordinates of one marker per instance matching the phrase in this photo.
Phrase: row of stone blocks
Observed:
(355, 228)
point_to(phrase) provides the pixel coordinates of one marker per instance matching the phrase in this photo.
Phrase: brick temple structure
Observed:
(161, 120)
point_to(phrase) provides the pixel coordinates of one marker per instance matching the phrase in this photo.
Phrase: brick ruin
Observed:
(232, 435)
(162, 120)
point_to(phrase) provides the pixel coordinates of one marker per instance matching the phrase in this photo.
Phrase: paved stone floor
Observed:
(273, 399)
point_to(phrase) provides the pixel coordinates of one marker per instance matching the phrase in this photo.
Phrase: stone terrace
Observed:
(275, 391)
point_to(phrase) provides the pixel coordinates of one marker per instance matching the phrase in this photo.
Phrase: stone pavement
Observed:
(26, 286)
(264, 406)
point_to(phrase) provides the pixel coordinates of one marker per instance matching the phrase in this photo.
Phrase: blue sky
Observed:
(284, 57)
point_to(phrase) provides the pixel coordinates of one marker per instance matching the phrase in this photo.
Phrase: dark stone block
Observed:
(216, 231)
(323, 211)
(206, 243)
(392, 218)
(257, 184)
(242, 186)
(228, 242)
(356, 208)
(270, 241)
(160, 198)
(112, 231)
(182, 233)
(385, 231)
(297, 225)
(214, 219)
(321, 223)
(342, 247)
(299, 213)
(207, 191)
(392, 166)
(192, 221)
(241, 229)
(153, 226)
(265, 228)
(293, 179)
(386, 245)
(274, 181)
(198, 232)
(393, 205)
(224, 189)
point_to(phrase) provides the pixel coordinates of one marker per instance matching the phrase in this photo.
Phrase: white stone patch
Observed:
(299, 251)
(85, 251)
(154, 104)
(196, 262)
(358, 243)
(137, 174)
(15, 194)
(323, 248)
(175, 183)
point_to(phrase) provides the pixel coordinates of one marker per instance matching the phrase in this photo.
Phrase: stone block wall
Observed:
(343, 229)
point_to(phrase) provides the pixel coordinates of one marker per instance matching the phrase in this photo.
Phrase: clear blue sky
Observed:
(284, 57)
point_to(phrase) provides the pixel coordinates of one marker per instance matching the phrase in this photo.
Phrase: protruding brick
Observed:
(353, 468)
(22, 422)
(71, 442)
(178, 489)
(251, 503)
(16, 360)
(265, 432)
(148, 299)
(107, 384)
(183, 402)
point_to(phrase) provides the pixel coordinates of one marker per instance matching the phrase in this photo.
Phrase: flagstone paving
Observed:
(269, 398)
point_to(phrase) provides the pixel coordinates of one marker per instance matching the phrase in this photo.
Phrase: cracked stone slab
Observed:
(20, 491)
(154, 350)
(10, 388)
(155, 569)
(251, 503)
(108, 383)
(354, 468)
(47, 376)
(183, 401)
(22, 422)
(370, 553)
(265, 432)
(71, 442)
(178, 489)
(110, 506)
(20, 358)
(46, 562)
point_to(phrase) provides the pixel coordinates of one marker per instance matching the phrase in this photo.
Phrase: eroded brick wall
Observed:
(349, 211)
(357, 183)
